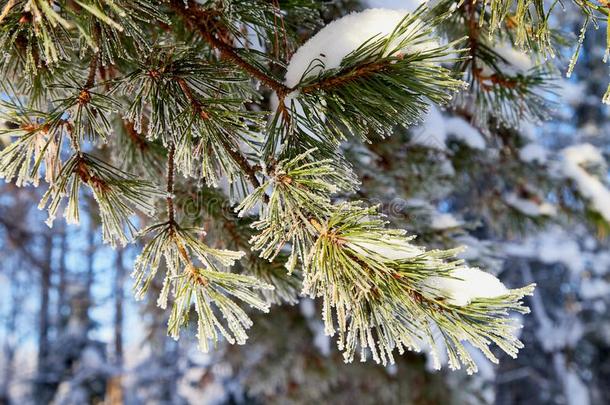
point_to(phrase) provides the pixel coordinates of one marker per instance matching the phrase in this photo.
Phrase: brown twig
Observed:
(85, 95)
(242, 162)
(171, 214)
(473, 32)
(192, 99)
(346, 77)
(204, 21)
(96, 182)
(92, 71)
(278, 11)
(487, 82)
(136, 138)
(170, 184)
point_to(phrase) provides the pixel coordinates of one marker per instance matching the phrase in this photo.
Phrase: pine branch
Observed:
(243, 164)
(117, 193)
(229, 231)
(92, 72)
(232, 151)
(388, 294)
(380, 292)
(37, 139)
(301, 192)
(206, 286)
(386, 80)
(206, 25)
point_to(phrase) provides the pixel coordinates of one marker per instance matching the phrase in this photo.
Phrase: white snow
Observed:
(575, 390)
(409, 5)
(592, 288)
(460, 129)
(91, 358)
(571, 92)
(583, 153)
(418, 203)
(320, 339)
(447, 168)
(589, 186)
(435, 129)
(474, 247)
(431, 133)
(551, 246)
(554, 249)
(480, 253)
(520, 61)
(601, 264)
(528, 130)
(516, 63)
(534, 153)
(391, 248)
(326, 49)
(554, 336)
(443, 220)
(530, 207)
(307, 307)
(465, 285)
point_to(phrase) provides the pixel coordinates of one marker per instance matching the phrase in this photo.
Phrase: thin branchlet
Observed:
(345, 77)
(171, 214)
(170, 183)
(199, 110)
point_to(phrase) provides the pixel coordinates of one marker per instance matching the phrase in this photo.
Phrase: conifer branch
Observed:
(243, 163)
(118, 194)
(194, 102)
(207, 27)
(233, 151)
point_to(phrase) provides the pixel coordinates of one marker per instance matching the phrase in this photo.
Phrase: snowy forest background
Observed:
(71, 333)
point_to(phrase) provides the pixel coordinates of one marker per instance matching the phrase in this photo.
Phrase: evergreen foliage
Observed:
(182, 83)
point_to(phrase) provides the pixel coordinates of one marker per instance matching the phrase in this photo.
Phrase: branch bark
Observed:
(350, 75)
(170, 184)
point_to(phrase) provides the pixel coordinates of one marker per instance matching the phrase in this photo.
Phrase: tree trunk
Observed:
(11, 342)
(90, 274)
(62, 316)
(116, 384)
(45, 385)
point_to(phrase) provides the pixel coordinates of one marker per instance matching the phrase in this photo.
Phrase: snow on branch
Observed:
(575, 161)
(363, 73)
(382, 293)
(379, 291)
